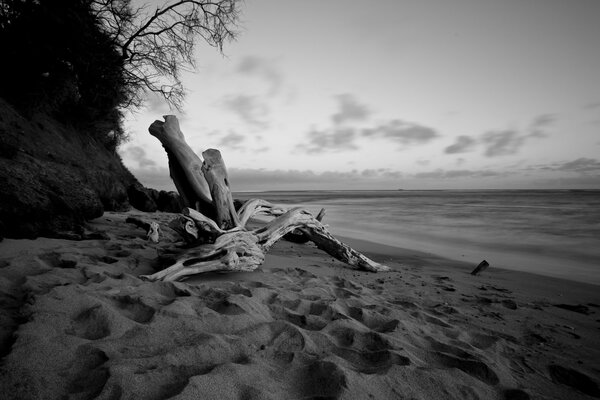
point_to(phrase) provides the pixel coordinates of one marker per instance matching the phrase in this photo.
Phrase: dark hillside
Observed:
(53, 177)
(66, 78)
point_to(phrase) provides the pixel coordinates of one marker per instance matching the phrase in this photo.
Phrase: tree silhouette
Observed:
(87, 60)
(156, 45)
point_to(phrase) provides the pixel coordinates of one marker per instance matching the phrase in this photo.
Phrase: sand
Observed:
(77, 323)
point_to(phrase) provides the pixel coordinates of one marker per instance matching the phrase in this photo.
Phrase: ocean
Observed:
(547, 232)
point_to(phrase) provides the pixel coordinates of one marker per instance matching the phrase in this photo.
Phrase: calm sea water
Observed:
(555, 233)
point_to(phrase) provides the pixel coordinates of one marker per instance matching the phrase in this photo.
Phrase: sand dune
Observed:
(77, 323)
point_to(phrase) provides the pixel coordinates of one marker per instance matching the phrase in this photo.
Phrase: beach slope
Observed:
(78, 323)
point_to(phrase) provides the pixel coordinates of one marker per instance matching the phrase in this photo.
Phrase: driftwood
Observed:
(184, 165)
(152, 228)
(210, 221)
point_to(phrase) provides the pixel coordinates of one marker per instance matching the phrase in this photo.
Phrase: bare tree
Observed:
(158, 44)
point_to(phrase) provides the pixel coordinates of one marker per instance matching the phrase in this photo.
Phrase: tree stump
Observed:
(210, 220)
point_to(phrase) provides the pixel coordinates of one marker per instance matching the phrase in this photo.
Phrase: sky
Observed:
(398, 94)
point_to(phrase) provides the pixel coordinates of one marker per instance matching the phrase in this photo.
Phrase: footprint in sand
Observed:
(373, 320)
(172, 290)
(453, 357)
(56, 260)
(345, 289)
(122, 253)
(515, 394)
(429, 318)
(88, 373)
(366, 352)
(133, 308)
(219, 301)
(473, 367)
(404, 304)
(322, 380)
(574, 379)
(283, 341)
(305, 321)
(443, 309)
(108, 259)
(239, 289)
(482, 341)
(91, 324)
(344, 293)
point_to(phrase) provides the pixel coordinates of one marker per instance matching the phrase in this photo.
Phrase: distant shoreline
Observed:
(410, 190)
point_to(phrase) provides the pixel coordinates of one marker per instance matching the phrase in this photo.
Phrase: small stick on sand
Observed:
(480, 268)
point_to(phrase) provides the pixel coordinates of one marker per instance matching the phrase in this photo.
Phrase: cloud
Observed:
(501, 143)
(402, 132)
(349, 110)
(509, 141)
(581, 165)
(138, 154)
(458, 173)
(257, 66)
(249, 109)
(381, 173)
(593, 106)
(232, 140)
(262, 179)
(338, 138)
(323, 141)
(540, 124)
(462, 145)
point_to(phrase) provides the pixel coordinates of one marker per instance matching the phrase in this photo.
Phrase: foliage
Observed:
(87, 60)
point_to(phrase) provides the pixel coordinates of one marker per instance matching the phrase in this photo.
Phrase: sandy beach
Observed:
(78, 323)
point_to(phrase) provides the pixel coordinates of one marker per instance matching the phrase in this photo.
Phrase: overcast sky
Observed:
(344, 94)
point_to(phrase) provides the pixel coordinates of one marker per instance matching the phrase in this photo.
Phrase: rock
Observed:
(169, 202)
(150, 200)
(141, 198)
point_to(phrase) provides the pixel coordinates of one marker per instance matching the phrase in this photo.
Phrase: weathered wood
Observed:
(186, 227)
(225, 242)
(480, 268)
(254, 207)
(233, 251)
(215, 174)
(184, 164)
(298, 235)
(153, 233)
(239, 250)
(298, 218)
(204, 223)
(152, 228)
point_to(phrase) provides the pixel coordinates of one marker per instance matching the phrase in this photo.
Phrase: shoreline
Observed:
(534, 283)
(581, 278)
(555, 238)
